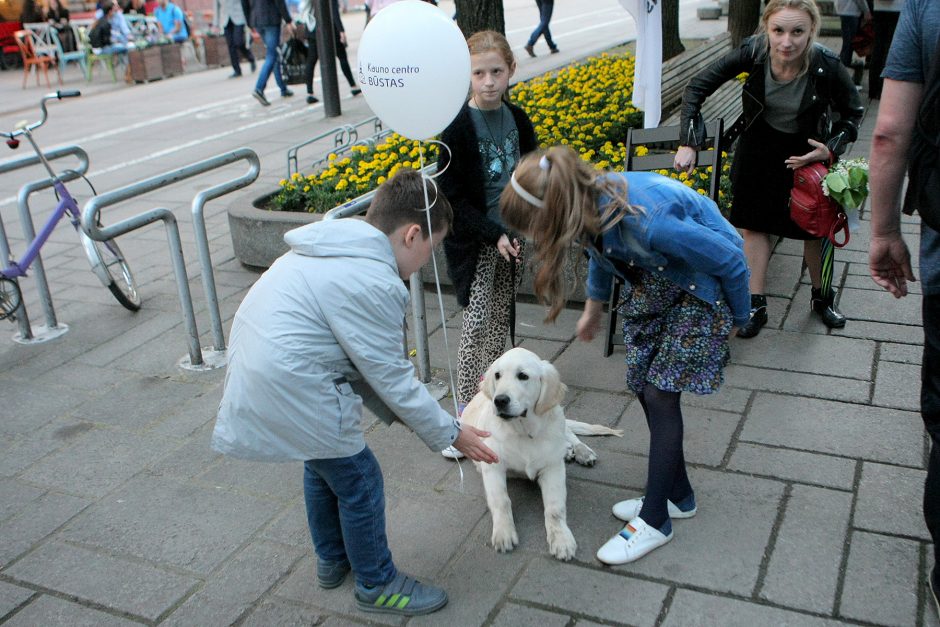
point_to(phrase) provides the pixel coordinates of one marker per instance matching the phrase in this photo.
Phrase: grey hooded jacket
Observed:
(325, 314)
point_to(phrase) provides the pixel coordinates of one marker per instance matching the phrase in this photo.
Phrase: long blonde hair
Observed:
(568, 190)
(807, 6)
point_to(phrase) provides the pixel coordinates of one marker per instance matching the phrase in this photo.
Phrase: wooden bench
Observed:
(725, 103)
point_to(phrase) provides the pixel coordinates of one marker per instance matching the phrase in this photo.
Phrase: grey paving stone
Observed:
(897, 385)
(582, 365)
(284, 614)
(882, 331)
(695, 609)
(902, 353)
(890, 501)
(803, 571)
(14, 496)
(18, 453)
(613, 468)
(107, 459)
(154, 398)
(797, 383)
(881, 581)
(280, 482)
(722, 548)
(36, 520)
(512, 615)
(880, 307)
(599, 594)
(844, 429)
(47, 610)
(11, 597)
(190, 415)
(799, 466)
(783, 273)
(795, 352)
(165, 521)
(404, 457)
(727, 398)
(21, 414)
(596, 407)
(112, 582)
(112, 350)
(546, 349)
(192, 458)
(290, 527)
(707, 434)
(236, 586)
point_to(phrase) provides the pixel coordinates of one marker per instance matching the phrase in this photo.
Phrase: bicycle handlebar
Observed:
(58, 95)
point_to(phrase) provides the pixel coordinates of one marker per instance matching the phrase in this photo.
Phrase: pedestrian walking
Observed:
(884, 20)
(853, 14)
(309, 20)
(326, 314)
(486, 140)
(232, 19)
(542, 30)
(785, 67)
(685, 274)
(909, 117)
(265, 17)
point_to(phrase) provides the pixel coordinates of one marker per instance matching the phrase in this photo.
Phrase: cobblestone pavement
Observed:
(808, 468)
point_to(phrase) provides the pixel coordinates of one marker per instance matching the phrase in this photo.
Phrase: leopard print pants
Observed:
(485, 321)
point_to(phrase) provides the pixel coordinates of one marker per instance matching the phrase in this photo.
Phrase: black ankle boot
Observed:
(758, 317)
(826, 308)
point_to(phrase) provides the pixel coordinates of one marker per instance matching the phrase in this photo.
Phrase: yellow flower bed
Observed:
(587, 106)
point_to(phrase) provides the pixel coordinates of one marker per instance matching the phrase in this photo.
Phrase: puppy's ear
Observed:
(553, 390)
(488, 384)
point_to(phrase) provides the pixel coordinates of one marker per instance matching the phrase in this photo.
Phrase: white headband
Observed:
(528, 197)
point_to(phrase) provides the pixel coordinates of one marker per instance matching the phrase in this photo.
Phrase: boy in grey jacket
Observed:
(328, 312)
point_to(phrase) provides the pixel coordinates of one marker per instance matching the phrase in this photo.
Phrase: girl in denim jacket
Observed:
(686, 289)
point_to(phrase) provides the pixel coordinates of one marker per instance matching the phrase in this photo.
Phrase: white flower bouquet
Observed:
(847, 183)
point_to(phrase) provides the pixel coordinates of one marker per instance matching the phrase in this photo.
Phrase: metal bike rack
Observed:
(53, 328)
(419, 316)
(215, 357)
(343, 137)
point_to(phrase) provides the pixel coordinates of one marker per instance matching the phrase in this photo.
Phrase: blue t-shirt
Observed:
(909, 60)
(168, 17)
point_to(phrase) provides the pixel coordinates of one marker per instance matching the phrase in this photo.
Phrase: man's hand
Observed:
(291, 28)
(469, 443)
(889, 262)
(590, 320)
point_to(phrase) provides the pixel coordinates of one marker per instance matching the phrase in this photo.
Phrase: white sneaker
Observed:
(636, 540)
(630, 509)
(451, 453)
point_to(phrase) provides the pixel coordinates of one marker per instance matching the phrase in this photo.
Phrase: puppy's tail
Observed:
(583, 428)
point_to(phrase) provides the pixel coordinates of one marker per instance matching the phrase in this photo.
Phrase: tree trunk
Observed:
(476, 15)
(743, 19)
(672, 45)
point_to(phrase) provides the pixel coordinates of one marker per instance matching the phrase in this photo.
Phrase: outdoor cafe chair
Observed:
(78, 56)
(95, 55)
(26, 42)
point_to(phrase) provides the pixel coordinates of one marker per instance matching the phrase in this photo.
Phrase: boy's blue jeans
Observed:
(345, 499)
(271, 35)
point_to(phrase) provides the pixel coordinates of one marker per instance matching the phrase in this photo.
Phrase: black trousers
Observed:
(884, 23)
(235, 38)
(930, 412)
(313, 56)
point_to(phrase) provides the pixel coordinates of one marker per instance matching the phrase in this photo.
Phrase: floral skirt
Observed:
(674, 341)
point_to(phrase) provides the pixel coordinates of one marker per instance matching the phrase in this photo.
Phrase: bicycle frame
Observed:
(67, 205)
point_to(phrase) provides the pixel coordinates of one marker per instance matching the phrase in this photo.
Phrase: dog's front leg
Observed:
(561, 542)
(578, 450)
(504, 536)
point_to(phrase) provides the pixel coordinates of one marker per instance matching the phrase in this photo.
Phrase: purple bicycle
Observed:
(107, 261)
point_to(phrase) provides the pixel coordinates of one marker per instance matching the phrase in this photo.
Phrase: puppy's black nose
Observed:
(501, 401)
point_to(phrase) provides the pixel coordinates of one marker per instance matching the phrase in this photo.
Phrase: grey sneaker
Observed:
(259, 96)
(331, 574)
(404, 595)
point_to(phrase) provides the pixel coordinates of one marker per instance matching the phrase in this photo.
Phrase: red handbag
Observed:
(813, 211)
(864, 40)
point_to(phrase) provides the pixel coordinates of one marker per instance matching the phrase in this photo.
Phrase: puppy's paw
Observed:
(561, 543)
(504, 538)
(583, 454)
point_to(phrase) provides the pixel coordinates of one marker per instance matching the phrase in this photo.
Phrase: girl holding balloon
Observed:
(486, 140)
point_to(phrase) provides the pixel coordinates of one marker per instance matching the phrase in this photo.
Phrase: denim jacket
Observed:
(677, 233)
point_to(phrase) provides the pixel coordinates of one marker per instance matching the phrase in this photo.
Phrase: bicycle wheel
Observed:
(108, 264)
(10, 297)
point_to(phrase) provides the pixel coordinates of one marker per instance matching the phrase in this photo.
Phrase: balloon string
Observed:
(437, 283)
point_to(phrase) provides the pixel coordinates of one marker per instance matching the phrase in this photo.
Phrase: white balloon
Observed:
(414, 68)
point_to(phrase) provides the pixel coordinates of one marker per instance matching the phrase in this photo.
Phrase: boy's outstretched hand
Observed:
(469, 443)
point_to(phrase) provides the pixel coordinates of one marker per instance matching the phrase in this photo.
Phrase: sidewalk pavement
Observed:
(808, 468)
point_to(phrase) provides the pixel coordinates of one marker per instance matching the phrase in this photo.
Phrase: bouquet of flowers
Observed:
(847, 183)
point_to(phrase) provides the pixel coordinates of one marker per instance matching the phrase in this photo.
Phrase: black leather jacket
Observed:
(829, 90)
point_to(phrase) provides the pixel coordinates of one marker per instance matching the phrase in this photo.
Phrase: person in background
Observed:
(853, 14)
(171, 21)
(120, 31)
(31, 13)
(309, 20)
(232, 20)
(885, 20)
(58, 18)
(907, 68)
(786, 67)
(545, 16)
(265, 17)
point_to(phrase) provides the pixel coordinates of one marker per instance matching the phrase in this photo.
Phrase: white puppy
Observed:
(519, 403)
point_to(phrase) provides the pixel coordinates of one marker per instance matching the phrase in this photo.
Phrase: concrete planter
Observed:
(257, 233)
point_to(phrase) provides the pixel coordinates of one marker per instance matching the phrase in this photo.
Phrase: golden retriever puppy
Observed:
(519, 403)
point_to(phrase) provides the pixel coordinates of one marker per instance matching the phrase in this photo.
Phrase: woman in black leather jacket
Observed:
(800, 106)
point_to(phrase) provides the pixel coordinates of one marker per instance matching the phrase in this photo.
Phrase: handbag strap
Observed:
(841, 223)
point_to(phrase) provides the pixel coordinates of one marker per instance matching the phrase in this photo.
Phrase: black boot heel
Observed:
(758, 317)
(826, 308)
